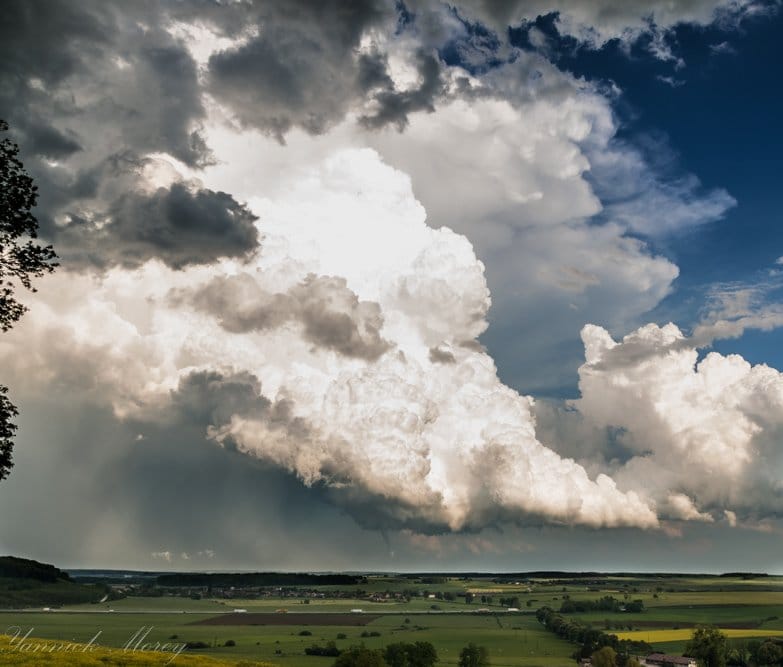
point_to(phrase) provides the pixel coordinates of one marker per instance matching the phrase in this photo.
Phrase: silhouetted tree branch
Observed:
(22, 258)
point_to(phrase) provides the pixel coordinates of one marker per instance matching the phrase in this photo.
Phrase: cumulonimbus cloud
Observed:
(345, 351)
(382, 421)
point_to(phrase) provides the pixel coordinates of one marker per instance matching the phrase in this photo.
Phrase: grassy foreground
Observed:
(32, 652)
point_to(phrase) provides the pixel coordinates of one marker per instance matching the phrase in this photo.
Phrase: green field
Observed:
(514, 640)
(672, 607)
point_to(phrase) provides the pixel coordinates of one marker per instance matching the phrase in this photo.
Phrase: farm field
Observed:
(668, 636)
(673, 606)
(293, 605)
(740, 617)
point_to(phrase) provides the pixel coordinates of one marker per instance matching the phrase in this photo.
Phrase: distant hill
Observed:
(245, 579)
(28, 583)
(12, 567)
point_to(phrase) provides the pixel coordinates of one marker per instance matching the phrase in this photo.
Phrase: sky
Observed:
(395, 286)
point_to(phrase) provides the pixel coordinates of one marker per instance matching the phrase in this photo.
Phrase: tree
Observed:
(7, 429)
(21, 259)
(360, 656)
(474, 656)
(769, 653)
(403, 654)
(635, 607)
(709, 646)
(739, 653)
(604, 657)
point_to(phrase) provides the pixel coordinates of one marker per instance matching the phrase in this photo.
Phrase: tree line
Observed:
(399, 654)
(711, 648)
(590, 639)
(246, 579)
(606, 603)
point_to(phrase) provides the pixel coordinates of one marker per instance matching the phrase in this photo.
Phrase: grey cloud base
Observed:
(174, 225)
(332, 315)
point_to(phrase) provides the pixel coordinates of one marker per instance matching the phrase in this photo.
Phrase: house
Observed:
(663, 660)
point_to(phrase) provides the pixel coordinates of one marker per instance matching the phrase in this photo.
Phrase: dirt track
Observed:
(289, 619)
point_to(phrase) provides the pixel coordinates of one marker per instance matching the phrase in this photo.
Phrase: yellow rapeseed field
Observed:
(42, 652)
(657, 636)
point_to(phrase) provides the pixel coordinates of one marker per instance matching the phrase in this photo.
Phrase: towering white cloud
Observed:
(704, 434)
(401, 436)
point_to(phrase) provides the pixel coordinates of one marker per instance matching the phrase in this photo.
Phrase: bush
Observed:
(329, 651)
(305, 633)
(230, 642)
(359, 656)
(419, 654)
(474, 656)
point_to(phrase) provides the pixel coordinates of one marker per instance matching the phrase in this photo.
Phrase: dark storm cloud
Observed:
(69, 63)
(176, 225)
(116, 492)
(301, 69)
(281, 80)
(48, 141)
(373, 71)
(167, 74)
(65, 37)
(112, 499)
(82, 83)
(213, 398)
(332, 315)
(63, 34)
(119, 490)
(394, 106)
